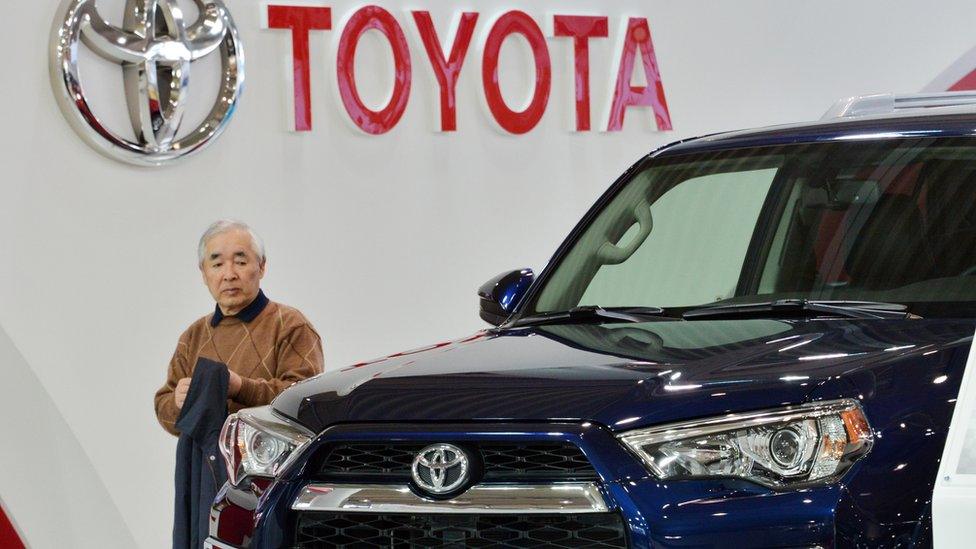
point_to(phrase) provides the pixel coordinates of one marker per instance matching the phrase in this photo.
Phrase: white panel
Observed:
(954, 501)
(50, 490)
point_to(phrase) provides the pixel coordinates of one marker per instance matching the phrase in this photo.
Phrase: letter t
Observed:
(581, 28)
(301, 20)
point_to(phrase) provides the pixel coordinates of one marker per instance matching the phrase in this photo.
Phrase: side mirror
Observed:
(500, 295)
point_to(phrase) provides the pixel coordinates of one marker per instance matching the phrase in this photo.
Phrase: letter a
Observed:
(624, 95)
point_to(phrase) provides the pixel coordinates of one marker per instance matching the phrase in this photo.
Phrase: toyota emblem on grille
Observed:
(155, 49)
(440, 469)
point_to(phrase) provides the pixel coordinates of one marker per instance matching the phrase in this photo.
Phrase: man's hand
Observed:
(233, 385)
(179, 394)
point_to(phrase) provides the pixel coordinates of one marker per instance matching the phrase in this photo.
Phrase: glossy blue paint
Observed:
(573, 373)
(514, 292)
(727, 513)
(584, 384)
(624, 376)
(832, 130)
(503, 293)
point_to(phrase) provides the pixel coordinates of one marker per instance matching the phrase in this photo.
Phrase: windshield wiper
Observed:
(806, 307)
(590, 314)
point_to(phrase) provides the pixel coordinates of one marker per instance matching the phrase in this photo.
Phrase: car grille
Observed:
(502, 461)
(345, 530)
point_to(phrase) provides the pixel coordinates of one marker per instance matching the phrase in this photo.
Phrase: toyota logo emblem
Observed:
(440, 469)
(155, 49)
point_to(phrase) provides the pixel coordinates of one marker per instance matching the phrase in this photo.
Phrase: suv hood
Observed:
(619, 375)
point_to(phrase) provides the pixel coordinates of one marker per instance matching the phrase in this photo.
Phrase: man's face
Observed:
(232, 271)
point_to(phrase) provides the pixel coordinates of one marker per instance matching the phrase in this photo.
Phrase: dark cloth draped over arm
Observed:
(200, 469)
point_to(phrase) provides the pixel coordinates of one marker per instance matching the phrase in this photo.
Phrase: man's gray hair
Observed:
(226, 225)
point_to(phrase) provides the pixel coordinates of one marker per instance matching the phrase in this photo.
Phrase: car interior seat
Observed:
(889, 250)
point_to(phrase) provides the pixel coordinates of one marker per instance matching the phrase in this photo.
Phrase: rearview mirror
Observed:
(500, 295)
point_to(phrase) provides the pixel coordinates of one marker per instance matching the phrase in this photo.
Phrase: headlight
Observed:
(784, 448)
(256, 443)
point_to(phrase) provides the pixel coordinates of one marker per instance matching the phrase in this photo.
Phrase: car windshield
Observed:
(860, 220)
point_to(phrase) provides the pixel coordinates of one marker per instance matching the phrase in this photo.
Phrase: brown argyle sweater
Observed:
(270, 345)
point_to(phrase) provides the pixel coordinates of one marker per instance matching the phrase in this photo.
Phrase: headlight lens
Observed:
(788, 447)
(257, 443)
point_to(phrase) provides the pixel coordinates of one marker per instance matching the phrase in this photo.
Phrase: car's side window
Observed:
(715, 214)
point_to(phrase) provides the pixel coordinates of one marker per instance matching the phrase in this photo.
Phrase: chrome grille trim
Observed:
(479, 499)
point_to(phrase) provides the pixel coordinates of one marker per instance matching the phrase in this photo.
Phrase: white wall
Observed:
(47, 474)
(366, 234)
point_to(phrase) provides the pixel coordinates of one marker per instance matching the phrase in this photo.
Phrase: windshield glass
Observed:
(891, 221)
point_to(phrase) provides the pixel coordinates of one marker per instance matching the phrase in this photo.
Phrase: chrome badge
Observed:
(155, 49)
(440, 469)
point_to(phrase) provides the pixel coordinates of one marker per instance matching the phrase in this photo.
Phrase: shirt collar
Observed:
(247, 314)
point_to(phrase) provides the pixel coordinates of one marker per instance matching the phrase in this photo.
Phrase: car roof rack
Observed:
(889, 103)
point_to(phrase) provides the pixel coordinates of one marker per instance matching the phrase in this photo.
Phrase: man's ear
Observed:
(264, 265)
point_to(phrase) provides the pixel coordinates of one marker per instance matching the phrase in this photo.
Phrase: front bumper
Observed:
(722, 512)
(653, 513)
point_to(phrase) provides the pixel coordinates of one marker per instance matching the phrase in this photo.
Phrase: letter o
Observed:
(514, 121)
(383, 120)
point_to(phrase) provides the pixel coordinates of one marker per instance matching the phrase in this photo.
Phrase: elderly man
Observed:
(266, 346)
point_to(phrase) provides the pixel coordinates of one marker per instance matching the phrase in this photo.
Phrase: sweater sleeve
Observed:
(299, 357)
(166, 410)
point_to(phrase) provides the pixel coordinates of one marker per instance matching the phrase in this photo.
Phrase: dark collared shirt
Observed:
(247, 314)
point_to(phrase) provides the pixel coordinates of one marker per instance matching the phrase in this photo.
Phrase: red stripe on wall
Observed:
(9, 539)
(967, 82)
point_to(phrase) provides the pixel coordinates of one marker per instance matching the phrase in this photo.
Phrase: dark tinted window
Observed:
(861, 220)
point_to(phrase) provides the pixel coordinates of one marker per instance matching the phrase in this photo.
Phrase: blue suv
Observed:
(752, 339)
